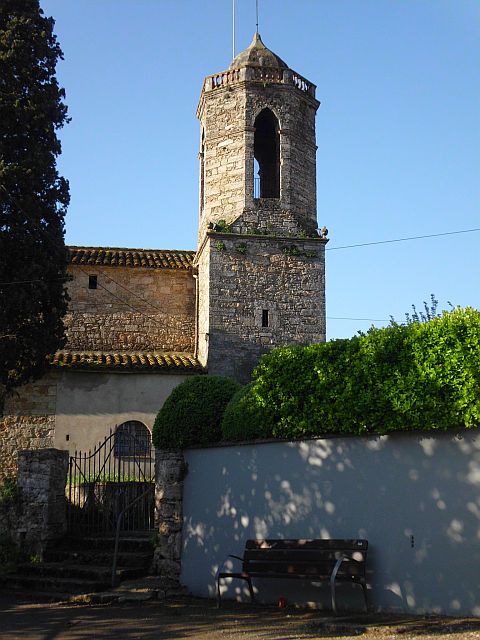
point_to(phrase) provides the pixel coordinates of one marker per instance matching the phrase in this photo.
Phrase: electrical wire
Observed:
(362, 319)
(150, 304)
(99, 284)
(7, 284)
(47, 234)
(124, 302)
(430, 235)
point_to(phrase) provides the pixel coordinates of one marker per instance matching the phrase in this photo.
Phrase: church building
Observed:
(140, 320)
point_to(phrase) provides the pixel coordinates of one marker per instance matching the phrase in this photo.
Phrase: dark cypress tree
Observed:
(33, 197)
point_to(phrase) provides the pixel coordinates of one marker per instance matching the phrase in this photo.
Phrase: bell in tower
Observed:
(260, 259)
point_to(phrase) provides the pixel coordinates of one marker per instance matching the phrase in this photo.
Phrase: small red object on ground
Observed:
(282, 603)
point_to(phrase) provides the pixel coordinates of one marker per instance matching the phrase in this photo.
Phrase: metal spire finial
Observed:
(256, 3)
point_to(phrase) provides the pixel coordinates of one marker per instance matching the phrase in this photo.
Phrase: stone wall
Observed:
(250, 275)
(131, 309)
(295, 111)
(221, 113)
(227, 115)
(41, 490)
(9, 513)
(37, 398)
(203, 311)
(270, 259)
(23, 432)
(170, 471)
(129, 331)
(28, 421)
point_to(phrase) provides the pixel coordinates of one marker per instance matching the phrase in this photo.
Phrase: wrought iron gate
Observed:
(114, 480)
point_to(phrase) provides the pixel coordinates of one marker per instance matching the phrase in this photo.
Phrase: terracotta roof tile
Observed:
(135, 361)
(122, 257)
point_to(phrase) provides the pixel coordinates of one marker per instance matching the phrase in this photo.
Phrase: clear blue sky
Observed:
(398, 132)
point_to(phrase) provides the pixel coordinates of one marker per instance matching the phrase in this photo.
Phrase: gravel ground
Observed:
(189, 618)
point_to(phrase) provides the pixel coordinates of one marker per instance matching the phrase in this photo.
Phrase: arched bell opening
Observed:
(266, 152)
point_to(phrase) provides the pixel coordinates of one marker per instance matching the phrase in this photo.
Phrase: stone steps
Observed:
(128, 542)
(94, 572)
(53, 587)
(81, 566)
(101, 557)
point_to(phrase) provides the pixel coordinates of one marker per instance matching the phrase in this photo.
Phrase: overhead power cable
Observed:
(46, 233)
(99, 284)
(430, 235)
(7, 284)
(150, 304)
(363, 319)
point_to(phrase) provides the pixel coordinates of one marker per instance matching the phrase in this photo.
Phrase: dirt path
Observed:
(199, 619)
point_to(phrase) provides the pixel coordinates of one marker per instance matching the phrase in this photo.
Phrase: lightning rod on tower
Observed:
(233, 28)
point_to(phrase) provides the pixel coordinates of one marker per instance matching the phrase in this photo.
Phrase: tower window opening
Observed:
(256, 179)
(266, 152)
(265, 318)
(92, 282)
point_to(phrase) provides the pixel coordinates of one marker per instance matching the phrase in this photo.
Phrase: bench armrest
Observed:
(337, 567)
(220, 566)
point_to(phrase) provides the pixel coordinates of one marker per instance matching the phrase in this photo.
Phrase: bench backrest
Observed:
(305, 557)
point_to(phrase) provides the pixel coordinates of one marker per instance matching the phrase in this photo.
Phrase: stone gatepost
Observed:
(170, 471)
(41, 480)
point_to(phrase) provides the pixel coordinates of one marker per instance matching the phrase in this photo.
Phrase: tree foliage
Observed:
(192, 413)
(33, 197)
(418, 376)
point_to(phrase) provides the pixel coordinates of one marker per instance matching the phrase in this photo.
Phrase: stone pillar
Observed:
(42, 476)
(170, 471)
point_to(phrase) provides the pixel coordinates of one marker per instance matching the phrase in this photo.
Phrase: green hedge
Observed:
(245, 417)
(193, 412)
(418, 376)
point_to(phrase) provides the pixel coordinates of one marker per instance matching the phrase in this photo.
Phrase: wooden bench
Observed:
(313, 560)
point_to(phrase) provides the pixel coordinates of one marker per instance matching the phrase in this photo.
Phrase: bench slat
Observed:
(334, 544)
(302, 555)
(299, 576)
(356, 569)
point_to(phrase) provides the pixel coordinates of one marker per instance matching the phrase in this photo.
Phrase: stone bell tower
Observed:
(260, 257)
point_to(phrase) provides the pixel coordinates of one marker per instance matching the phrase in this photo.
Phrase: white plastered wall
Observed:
(90, 404)
(416, 498)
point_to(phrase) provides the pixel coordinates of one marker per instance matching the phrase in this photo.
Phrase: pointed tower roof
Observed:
(257, 55)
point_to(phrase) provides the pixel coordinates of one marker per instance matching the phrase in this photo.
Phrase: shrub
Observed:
(193, 412)
(246, 417)
(418, 376)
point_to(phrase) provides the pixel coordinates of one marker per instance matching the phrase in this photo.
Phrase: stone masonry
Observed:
(228, 106)
(260, 260)
(253, 274)
(170, 471)
(257, 281)
(131, 309)
(28, 421)
(134, 308)
(41, 483)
